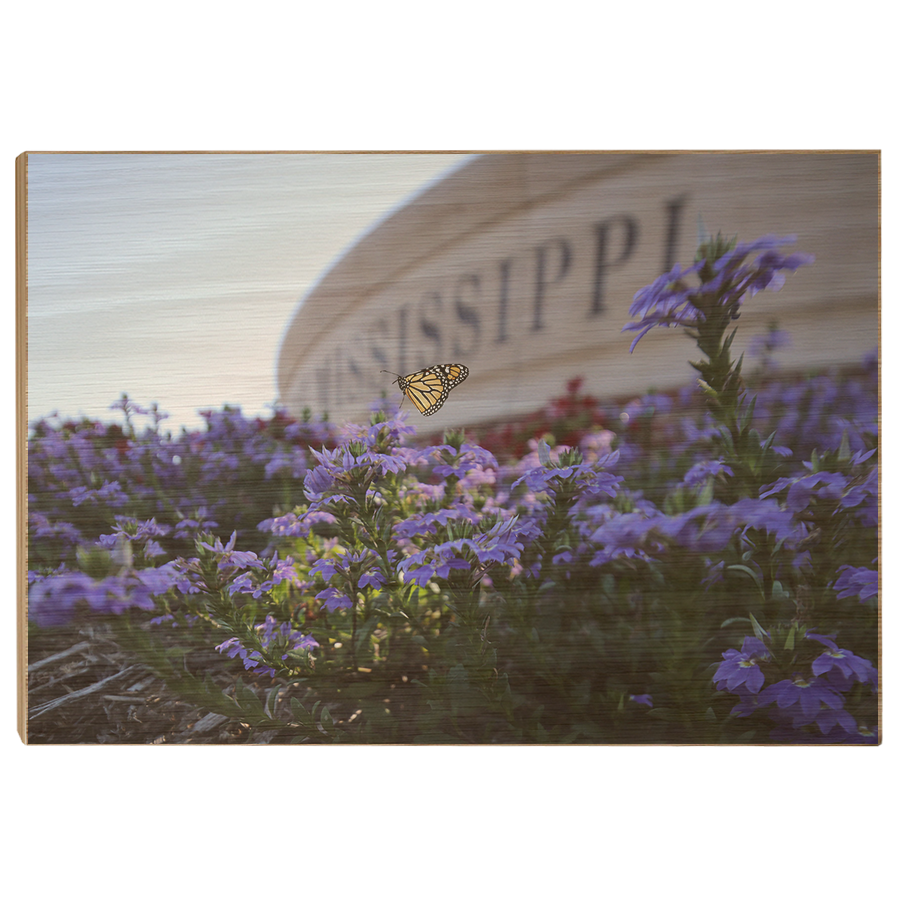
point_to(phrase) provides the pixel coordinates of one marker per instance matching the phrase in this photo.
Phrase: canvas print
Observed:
(404, 448)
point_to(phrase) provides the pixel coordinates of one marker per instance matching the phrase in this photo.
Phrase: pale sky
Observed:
(172, 277)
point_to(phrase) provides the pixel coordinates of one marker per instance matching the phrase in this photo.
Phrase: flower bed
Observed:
(694, 567)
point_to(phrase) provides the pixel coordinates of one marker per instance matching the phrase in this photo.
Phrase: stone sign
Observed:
(522, 267)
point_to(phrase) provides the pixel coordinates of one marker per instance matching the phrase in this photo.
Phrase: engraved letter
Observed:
(502, 336)
(431, 330)
(604, 264)
(468, 314)
(674, 207)
(541, 279)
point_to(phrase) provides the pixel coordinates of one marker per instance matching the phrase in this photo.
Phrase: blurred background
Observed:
(198, 280)
(172, 277)
(523, 267)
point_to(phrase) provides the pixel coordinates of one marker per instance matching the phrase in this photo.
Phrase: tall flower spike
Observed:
(724, 276)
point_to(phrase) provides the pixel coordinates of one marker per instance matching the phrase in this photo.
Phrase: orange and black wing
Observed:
(454, 373)
(428, 388)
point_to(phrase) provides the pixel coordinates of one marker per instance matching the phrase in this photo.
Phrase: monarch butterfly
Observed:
(429, 388)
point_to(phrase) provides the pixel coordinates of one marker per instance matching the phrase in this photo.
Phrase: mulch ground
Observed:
(84, 688)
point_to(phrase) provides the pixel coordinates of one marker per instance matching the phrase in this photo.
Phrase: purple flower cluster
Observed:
(53, 599)
(272, 637)
(356, 463)
(424, 524)
(704, 529)
(499, 545)
(273, 571)
(685, 522)
(583, 479)
(562, 475)
(472, 465)
(856, 581)
(679, 298)
(832, 489)
(701, 472)
(83, 473)
(803, 699)
(353, 570)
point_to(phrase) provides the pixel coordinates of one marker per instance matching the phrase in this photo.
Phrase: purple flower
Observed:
(356, 568)
(749, 702)
(741, 668)
(470, 456)
(856, 582)
(322, 482)
(667, 302)
(644, 699)
(189, 528)
(677, 299)
(292, 525)
(427, 523)
(702, 471)
(110, 493)
(272, 633)
(841, 667)
(52, 599)
(334, 599)
(42, 526)
(252, 659)
(501, 544)
(275, 572)
(802, 698)
(436, 561)
(831, 488)
(821, 485)
(709, 528)
(218, 547)
(559, 480)
(291, 461)
(829, 718)
(628, 536)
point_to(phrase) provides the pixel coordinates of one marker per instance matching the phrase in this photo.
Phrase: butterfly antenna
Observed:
(402, 395)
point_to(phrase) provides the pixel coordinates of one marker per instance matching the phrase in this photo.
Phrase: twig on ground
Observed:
(77, 648)
(59, 701)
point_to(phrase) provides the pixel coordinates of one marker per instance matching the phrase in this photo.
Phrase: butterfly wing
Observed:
(426, 389)
(452, 372)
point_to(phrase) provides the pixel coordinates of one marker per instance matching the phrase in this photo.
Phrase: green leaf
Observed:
(297, 658)
(269, 707)
(758, 630)
(844, 450)
(789, 641)
(814, 460)
(747, 571)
